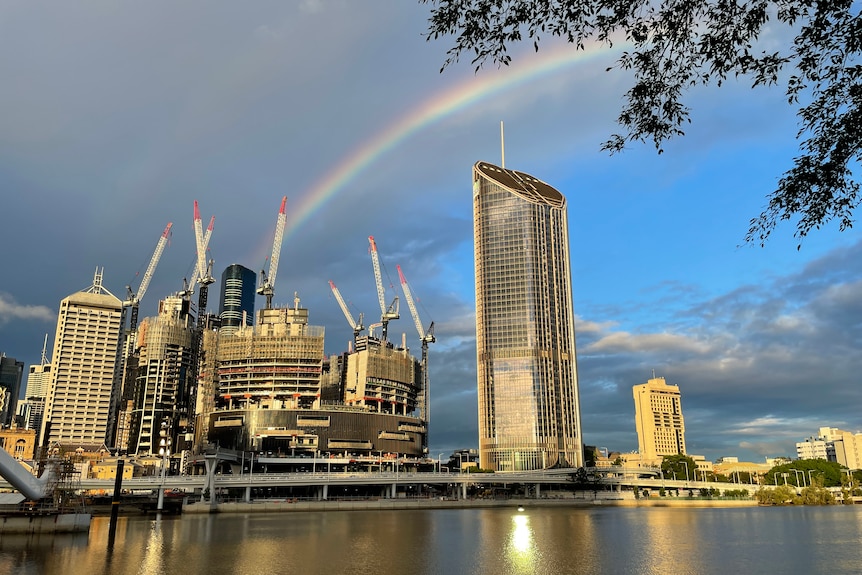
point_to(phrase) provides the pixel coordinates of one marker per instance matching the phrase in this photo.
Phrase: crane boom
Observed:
(409, 297)
(267, 281)
(391, 312)
(356, 326)
(381, 295)
(204, 271)
(199, 243)
(136, 297)
(148, 275)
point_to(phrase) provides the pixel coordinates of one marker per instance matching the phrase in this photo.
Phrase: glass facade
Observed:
(529, 413)
(237, 297)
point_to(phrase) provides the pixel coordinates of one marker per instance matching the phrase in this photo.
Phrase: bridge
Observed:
(388, 484)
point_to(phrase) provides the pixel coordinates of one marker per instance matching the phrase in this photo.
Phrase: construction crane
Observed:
(267, 281)
(425, 337)
(204, 268)
(357, 326)
(386, 313)
(135, 298)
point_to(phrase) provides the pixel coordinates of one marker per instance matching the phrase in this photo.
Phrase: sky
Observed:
(115, 117)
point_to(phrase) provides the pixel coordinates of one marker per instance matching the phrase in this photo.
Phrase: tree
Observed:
(680, 44)
(829, 473)
(678, 466)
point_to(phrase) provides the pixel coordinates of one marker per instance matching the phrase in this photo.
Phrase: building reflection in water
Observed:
(154, 552)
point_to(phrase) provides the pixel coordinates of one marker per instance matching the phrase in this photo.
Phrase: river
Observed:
(501, 541)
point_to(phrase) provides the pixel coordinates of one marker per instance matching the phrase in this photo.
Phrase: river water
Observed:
(500, 541)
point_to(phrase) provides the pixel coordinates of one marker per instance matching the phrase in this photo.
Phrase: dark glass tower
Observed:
(237, 297)
(529, 414)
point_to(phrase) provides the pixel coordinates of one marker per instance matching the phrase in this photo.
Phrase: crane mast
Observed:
(386, 313)
(356, 326)
(425, 337)
(267, 281)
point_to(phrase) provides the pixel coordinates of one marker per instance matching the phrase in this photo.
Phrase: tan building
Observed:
(658, 419)
(18, 442)
(79, 399)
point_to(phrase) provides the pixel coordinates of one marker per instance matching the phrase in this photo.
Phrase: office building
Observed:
(32, 409)
(11, 372)
(529, 413)
(79, 400)
(236, 302)
(658, 419)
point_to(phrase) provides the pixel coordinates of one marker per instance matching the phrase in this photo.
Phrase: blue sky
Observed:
(116, 117)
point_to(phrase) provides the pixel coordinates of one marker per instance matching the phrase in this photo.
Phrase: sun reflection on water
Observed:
(521, 548)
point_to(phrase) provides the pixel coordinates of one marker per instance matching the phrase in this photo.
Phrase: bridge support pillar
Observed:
(209, 491)
(393, 489)
(463, 491)
(248, 494)
(324, 492)
(538, 490)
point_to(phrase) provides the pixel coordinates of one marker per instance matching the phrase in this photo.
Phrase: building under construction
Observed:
(277, 393)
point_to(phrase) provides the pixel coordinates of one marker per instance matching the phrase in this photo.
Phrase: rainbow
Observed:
(458, 97)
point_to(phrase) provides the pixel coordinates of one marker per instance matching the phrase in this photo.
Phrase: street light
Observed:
(796, 473)
(439, 465)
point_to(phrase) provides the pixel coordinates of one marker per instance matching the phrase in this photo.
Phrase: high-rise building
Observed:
(32, 409)
(529, 412)
(11, 371)
(165, 375)
(658, 419)
(79, 400)
(236, 302)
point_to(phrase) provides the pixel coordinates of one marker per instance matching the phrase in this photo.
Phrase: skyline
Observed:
(116, 121)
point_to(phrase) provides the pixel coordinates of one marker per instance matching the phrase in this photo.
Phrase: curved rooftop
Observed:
(525, 185)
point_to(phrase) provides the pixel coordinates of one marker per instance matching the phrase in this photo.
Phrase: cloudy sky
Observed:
(115, 117)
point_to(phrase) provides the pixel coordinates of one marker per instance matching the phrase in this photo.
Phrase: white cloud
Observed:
(11, 310)
(626, 342)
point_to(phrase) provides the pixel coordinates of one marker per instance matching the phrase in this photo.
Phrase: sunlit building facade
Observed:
(81, 391)
(529, 412)
(658, 419)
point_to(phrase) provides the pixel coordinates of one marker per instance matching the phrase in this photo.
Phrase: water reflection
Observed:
(559, 540)
(153, 562)
(521, 552)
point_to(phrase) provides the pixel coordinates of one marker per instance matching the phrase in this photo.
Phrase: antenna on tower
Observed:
(502, 147)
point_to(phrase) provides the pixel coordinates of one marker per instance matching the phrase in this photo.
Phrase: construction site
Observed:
(265, 386)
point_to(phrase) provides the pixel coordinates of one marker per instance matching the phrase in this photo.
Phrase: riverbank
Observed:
(289, 505)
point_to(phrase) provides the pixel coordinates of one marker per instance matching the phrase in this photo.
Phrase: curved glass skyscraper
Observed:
(529, 413)
(237, 298)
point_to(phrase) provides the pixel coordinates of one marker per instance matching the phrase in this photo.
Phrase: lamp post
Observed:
(165, 453)
(686, 470)
(809, 476)
(439, 465)
(796, 473)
